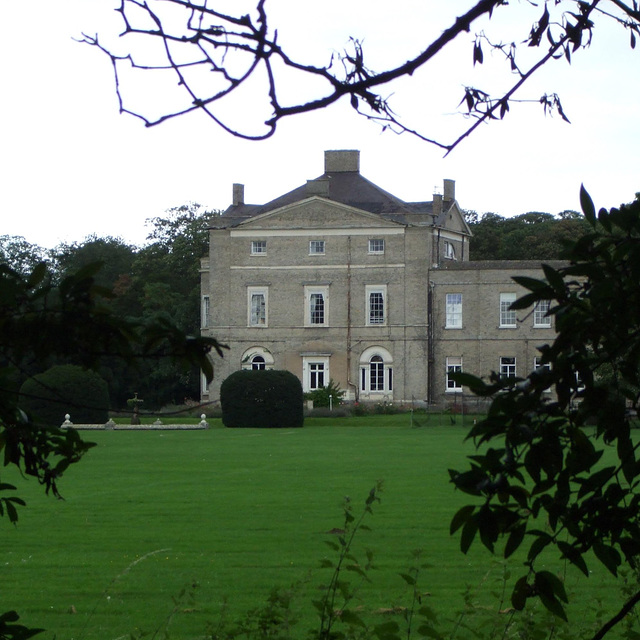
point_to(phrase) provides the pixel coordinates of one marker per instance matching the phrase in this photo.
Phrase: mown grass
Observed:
(237, 512)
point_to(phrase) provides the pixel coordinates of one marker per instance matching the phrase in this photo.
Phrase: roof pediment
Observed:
(316, 212)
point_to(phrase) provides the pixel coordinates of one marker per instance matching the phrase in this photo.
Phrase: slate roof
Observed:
(346, 187)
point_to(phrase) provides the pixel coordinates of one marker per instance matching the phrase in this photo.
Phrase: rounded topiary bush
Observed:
(82, 393)
(262, 398)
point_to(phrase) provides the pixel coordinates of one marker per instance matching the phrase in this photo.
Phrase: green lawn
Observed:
(236, 512)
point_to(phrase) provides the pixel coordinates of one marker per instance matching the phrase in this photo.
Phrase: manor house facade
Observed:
(340, 280)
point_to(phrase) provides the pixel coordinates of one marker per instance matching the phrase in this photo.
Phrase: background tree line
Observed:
(529, 236)
(156, 282)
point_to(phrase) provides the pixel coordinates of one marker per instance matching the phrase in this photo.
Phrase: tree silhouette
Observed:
(215, 56)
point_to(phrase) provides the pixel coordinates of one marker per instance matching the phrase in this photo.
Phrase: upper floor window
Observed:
(540, 311)
(258, 247)
(376, 304)
(453, 311)
(507, 315)
(376, 245)
(454, 365)
(316, 247)
(258, 362)
(258, 298)
(449, 250)
(507, 367)
(206, 310)
(316, 306)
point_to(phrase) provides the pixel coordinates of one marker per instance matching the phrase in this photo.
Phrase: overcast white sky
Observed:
(70, 165)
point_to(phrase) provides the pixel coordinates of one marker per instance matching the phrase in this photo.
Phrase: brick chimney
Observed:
(449, 190)
(238, 194)
(341, 161)
(437, 204)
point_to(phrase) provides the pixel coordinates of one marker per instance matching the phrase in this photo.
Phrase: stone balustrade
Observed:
(155, 426)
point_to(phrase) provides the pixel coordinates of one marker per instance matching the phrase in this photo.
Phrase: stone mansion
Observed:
(340, 280)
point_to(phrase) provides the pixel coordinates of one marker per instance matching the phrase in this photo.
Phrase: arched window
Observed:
(376, 372)
(257, 358)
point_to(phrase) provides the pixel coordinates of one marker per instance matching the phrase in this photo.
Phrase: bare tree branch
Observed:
(213, 55)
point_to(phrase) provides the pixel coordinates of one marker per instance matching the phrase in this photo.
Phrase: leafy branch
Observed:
(546, 481)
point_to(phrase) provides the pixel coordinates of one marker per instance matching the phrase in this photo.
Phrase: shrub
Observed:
(262, 398)
(48, 396)
(320, 396)
(342, 411)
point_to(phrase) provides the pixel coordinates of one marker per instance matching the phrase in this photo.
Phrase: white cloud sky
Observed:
(70, 165)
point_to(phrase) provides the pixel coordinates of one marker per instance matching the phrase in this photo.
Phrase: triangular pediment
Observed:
(453, 220)
(317, 213)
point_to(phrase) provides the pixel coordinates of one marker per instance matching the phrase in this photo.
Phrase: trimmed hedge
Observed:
(262, 398)
(48, 396)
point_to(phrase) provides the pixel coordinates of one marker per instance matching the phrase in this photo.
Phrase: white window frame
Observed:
(376, 246)
(369, 291)
(508, 318)
(377, 356)
(310, 368)
(206, 312)
(538, 365)
(204, 385)
(453, 365)
(310, 291)
(316, 247)
(540, 318)
(449, 250)
(257, 291)
(258, 247)
(256, 355)
(508, 366)
(453, 311)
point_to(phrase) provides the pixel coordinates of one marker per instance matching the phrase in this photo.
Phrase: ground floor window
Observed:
(376, 371)
(315, 372)
(204, 384)
(316, 375)
(454, 365)
(257, 358)
(507, 367)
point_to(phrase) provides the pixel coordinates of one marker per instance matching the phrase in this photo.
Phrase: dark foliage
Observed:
(331, 395)
(538, 478)
(157, 283)
(530, 236)
(45, 318)
(262, 398)
(47, 397)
